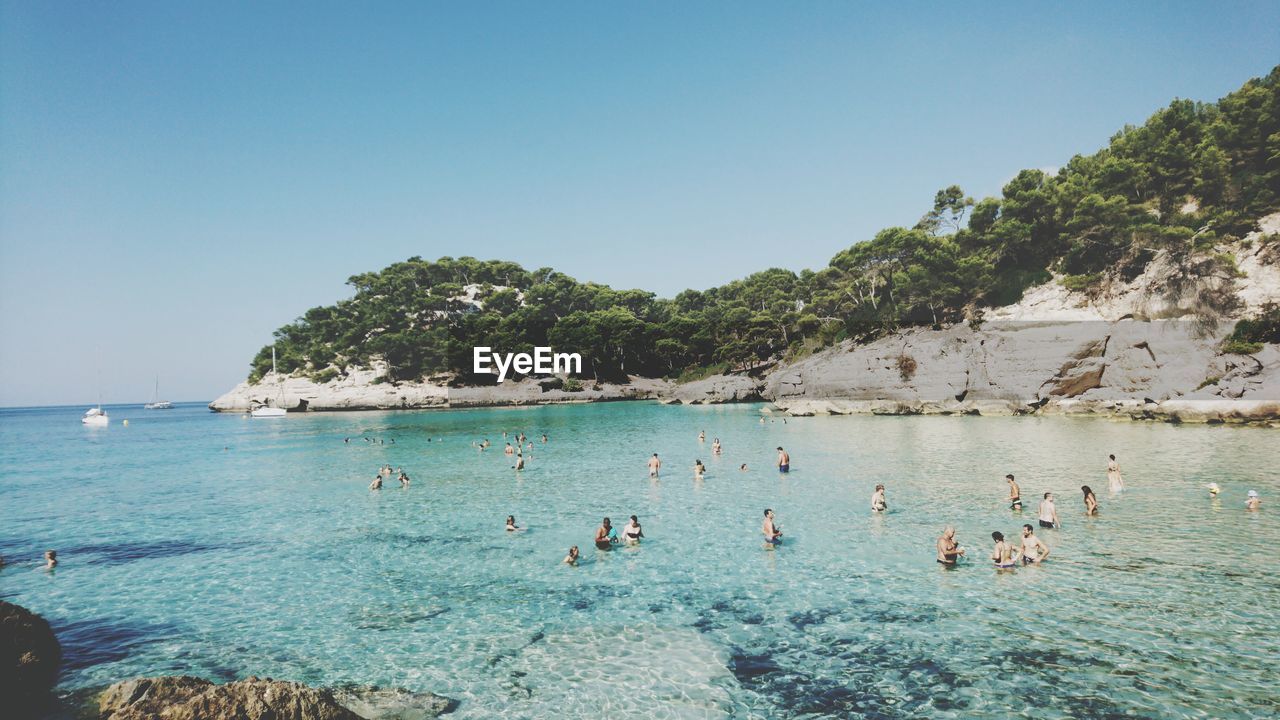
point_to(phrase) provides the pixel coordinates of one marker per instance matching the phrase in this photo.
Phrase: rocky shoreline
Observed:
(30, 659)
(1148, 348)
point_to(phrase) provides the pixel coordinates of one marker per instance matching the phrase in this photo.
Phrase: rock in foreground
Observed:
(191, 698)
(29, 659)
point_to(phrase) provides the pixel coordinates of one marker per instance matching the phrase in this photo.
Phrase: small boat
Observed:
(156, 403)
(95, 416)
(266, 411)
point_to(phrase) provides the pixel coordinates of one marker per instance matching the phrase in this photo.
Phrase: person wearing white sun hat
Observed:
(1254, 502)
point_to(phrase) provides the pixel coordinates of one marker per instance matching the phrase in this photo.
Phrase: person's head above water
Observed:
(1026, 530)
(511, 519)
(948, 531)
(1112, 457)
(768, 512)
(1009, 477)
(879, 487)
(779, 448)
(1085, 489)
(635, 519)
(1047, 495)
(997, 536)
(605, 522)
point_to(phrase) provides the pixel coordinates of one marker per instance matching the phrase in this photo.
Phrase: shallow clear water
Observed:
(222, 546)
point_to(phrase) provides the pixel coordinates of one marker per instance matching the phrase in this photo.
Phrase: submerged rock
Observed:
(376, 703)
(29, 659)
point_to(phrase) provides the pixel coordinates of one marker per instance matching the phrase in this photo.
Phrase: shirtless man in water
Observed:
(1015, 493)
(949, 551)
(784, 460)
(605, 536)
(654, 465)
(1033, 551)
(772, 533)
(1048, 513)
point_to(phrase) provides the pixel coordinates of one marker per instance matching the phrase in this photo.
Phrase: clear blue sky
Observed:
(177, 181)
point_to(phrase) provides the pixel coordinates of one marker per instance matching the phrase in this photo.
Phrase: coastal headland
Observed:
(1141, 349)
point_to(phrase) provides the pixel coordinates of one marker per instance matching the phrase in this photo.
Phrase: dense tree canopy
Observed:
(1192, 175)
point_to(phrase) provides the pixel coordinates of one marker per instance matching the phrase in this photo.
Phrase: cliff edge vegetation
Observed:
(1193, 177)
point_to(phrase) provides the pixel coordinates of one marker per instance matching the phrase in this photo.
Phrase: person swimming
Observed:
(508, 450)
(702, 436)
(1004, 555)
(715, 446)
(654, 465)
(572, 557)
(1113, 474)
(377, 482)
(404, 479)
(544, 437)
(1033, 550)
(772, 532)
(784, 461)
(1254, 502)
(949, 551)
(742, 467)
(878, 502)
(1015, 493)
(1213, 489)
(511, 524)
(50, 559)
(1048, 513)
(519, 462)
(699, 470)
(1090, 501)
(631, 532)
(606, 536)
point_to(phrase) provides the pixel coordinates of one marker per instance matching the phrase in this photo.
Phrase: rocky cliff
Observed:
(1146, 348)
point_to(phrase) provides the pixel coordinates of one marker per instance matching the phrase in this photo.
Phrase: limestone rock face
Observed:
(29, 659)
(1136, 349)
(1161, 369)
(190, 698)
(358, 390)
(718, 389)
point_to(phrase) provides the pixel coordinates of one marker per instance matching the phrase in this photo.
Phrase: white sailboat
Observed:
(267, 411)
(156, 403)
(95, 416)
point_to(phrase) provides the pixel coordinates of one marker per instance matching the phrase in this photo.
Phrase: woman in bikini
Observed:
(632, 533)
(1004, 555)
(1090, 501)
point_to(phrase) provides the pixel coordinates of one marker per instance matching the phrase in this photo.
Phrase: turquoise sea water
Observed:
(222, 546)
